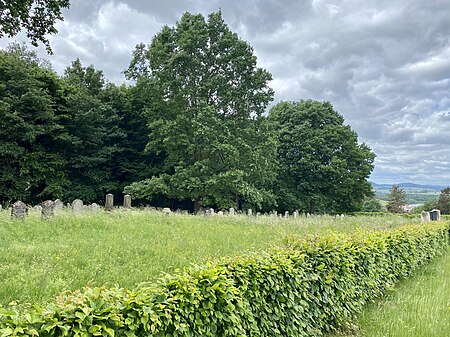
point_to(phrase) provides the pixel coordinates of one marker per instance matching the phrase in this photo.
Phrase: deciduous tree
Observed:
(36, 17)
(322, 167)
(444, 201)
(209, 125)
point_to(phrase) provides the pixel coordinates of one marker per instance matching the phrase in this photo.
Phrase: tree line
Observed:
(193, 130)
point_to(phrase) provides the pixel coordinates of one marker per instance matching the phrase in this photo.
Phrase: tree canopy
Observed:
(209, 122)
(36, 17)
(321, 165)
(444, 201)
(190, 131)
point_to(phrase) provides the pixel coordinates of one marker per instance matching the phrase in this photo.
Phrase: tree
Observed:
(373, 205)
(209, 125)
(32, 108)
(37, 17)
(396, 199)
(95, 135)
(427, 206)
(322, 168)
(444, 201)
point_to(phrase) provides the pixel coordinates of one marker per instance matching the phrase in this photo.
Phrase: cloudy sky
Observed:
(385, 65)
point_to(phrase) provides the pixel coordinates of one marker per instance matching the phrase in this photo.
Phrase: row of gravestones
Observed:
(19, 210)
(433, 215)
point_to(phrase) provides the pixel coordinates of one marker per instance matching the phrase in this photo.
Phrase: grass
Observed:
(418, 307)
(42, 258)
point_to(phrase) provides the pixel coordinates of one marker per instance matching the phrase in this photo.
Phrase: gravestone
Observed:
(295, 214)
(37, 209)
(435, 215)
(249, 212)
(77, 206)
(220, 213)
(231, 211)
(425, 216)
(58, 206)
(166, 210)
(94, 207)
(127, 201)
(286, 214)
(211, 212)
(258, 214)
(48, 208)
(19, 210)
(1, 207)
(109, 202)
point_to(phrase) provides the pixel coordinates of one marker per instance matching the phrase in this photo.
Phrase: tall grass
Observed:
(418, 307)
(42, 258)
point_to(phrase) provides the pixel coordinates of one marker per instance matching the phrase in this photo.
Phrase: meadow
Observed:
(43, 258)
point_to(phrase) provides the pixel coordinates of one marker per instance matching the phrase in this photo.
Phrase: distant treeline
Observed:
(190, 132)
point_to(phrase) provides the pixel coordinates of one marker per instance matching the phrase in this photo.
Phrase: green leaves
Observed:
(322, 168)
(208, 122)
(308, 289)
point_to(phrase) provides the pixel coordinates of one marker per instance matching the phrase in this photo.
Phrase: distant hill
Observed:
(415, 193)
(408, 186)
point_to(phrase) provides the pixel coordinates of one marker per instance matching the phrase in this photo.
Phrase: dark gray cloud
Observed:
(385, 65)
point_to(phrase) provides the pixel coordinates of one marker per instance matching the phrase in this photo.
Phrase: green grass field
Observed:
(417, 307)
(42, 258)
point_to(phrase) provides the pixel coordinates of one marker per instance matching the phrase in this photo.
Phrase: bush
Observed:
(309, 287)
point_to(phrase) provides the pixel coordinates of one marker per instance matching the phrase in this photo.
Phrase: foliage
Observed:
(308, 288)
(322, 168)
(444, 201)
(427, 206)
(32, 109)
(216, 145)
(396, 200)
(37, 17)
(373, 205)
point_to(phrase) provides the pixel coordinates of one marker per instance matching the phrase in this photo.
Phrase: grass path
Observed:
(418, 307)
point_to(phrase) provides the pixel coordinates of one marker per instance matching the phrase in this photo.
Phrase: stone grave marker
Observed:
(249, 212)
(127, 201)
(48, 208)
(109, 202)
(19, 210)
(231, 211)
(77, 206)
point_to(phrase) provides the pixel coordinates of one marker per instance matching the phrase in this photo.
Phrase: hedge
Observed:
(307, 288)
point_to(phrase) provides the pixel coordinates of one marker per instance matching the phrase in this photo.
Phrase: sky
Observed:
(384, 65)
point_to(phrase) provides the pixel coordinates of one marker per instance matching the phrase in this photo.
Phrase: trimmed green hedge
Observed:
(310, 287)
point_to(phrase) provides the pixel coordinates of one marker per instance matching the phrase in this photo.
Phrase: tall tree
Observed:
(93, 126)
(37, 17)
(444, 201)
(396, 199)
(322, 168)
(209, 125)
(32, 109)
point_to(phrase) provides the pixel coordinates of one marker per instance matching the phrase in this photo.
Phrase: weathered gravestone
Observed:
(231, 211)
(19, 210)
(166, 210)
(94, 207)
(48, 207)
(249, 212)
(58, 207)
(286, 214)
(425, 216)
(435, 215)
(109, 202)
(220, 213)
(127, 201)
(77, 206)
(295, 214)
